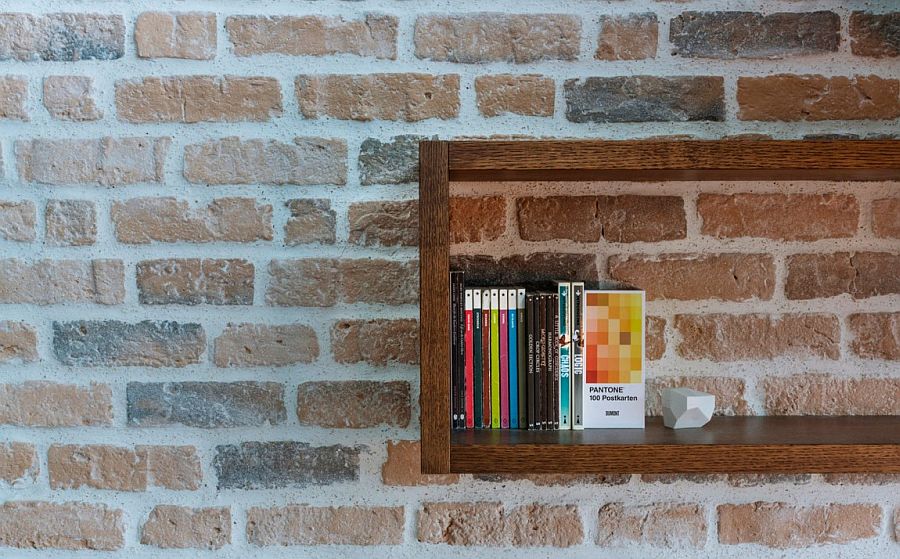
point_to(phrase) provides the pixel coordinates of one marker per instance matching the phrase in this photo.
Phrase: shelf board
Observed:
(725, 445)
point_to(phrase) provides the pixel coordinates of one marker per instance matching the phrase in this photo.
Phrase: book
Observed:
(531, 363)
(477, 361)
(469, 366)
(495, 358)
(577, 355)
(513, 356)
(540, 396)
(504, 359)
(553, 361)
(564, 335)
(521, 354)
(486, 358)
(455, 346)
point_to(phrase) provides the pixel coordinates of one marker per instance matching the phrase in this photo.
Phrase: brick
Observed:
(193, 99)
(861, 479)
(759, 480)
(13, 96)
(812, 97)
(190, 35)
(784, 217)
(394, 161)
(52, 282)
(174, 527)
(205, 405)
(586, 219)
(48, 404)
(527, 95)
(71, 222)
(669, 479)
(477, 218)
(71, 98)
(403, 467)
(42, 525)
(275, 464)
(172, 467)
(104, 161)
(655, 338)
(266, 345)
(818, 394)
(534, 267)
(307, 525)
(861, 275)
(875, 35)
(18, 342)
(782, 526)
(374, 36)
(120, 468)
(234, 161)
(354, 404)
(886, 218)
(557, 480)
(384, 223)
(495, 37)
(195, 281)
(488, 524)
(875, 335)
(376, 342)
(627, 37)
(18, 464)
(17, 221)
(61, 37)
(666, 525)
(691, 277)
(645, 99)
(724, 337)
(730, 35)
(729, 393)
(113, 343)
(323, 282)
(170, 220)
(404, 97)
(311, 221)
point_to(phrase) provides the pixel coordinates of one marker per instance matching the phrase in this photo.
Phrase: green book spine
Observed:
(495, 358)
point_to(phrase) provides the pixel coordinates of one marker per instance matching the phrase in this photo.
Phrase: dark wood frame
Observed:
(728, 444)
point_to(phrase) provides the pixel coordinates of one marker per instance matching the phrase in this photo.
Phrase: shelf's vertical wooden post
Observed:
(434, 305)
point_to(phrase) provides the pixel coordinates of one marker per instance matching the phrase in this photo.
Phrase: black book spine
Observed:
(529, 347)
(541, 396)
(454, 342)
(461, 352)
(554, 358)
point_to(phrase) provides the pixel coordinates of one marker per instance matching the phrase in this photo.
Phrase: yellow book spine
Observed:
(495, 358)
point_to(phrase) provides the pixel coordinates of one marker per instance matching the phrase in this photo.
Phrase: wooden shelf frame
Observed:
(727, 444)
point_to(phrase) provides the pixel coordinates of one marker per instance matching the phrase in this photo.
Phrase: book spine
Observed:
(577, 355)
(477, 381)
(504, 359)
(541, 393)
(470, 360)
(486, 358)
(553, 354)
(522, 357)
(513, 355)
(565, 336)
(495, 358)
(454, 344)
(530, 329)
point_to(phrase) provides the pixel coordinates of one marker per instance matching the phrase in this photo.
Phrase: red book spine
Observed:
(470, 365)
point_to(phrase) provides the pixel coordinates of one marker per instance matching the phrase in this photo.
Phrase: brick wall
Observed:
(208, 267)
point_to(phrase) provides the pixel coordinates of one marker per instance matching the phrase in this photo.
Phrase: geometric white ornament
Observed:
(684, 408)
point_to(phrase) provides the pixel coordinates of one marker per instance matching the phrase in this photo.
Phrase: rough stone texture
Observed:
(170, 220)
(205, 405)
(48, 404)
(375, 35)
(170, 526)
(195, 281)
(275, 464)
(71, 222)
(42, 525)
(323, 282)
(52, 282)
(13, 96)
(815, 394)
(18, 342)
(266, 345)
(789, 97)
(354, 404)
(477, 218)
(627, 37)
(311, 221)
(782, 526)
(672, 526)
(404, 467)
(534, 267)
(17, 221)
(557, 480)
(113, 343)
(172, 467)
(384, 223)
(732, 35)
(71, 98)
(61, 37)
(860, 274)
(527, 95)
(727, 277)
(645, 99)
(394, 161)
(306, 525)
(861, 479)
(103, 161)
(376, 342)
(785, 217)
(729, 393)
(235, 161)
(494, 37)
(406, 97)
(122, 469)
(723, 337)
(18, 464)
(655, 338)
(618, 219)
(198, 99)
(886, 218)
(759, 480)
(875, 335)
(190, 35)
(875, 35)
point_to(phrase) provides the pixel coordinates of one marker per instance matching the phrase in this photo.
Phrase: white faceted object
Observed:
(684, 408)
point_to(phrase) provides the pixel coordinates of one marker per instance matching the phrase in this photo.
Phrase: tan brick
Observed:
(528, 95)
(375, 35)
(875, 34)
(724, 337)
(781, 525)
(557, 480)
(48, 404)
(758, 480)
(307, 525)
(861, 479)
(860, 274)
(71, 98)
(311, 221)
(477, 219)
(886, 218)
(789, 97)
(172, 467)
(41, 525)
(122, 469)
(18, 463)
(404, 466)
(627, 37)
(18, 342)
(174, 527)
(354, 404)
(13, 98)
(495, 37)
(323, 282)
(384, 223)
(71, 222)
(265, 345)
(405, 97)
(727, 277)
(666, 525)
(17, 221)
(488, 524)
(875, 335)
(729, 393)
(376, 342)
(63, 37)
(235, 161)
(50, 282)
(189, 35)
(170, 220)
(105, 161)
(655, 341)
(195, 281)
(817, 394)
